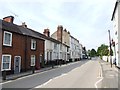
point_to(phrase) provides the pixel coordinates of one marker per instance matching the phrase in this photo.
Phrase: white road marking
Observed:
(50, 81)
(98, 82)
(47, 82)
(60, 76)
(44, 84)
(111, 75)
(5, 82)
(100, 76)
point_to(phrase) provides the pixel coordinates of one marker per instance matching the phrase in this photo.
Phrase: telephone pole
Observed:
(110, 48)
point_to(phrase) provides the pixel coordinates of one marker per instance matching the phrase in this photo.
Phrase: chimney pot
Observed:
(24, 25)
(60, 27)
(68, 32)
(65, 30)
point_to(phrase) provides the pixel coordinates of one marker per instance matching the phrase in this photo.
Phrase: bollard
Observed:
(33, 69)
(4, 75)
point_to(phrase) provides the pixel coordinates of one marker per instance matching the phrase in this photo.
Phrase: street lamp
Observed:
(110, 48)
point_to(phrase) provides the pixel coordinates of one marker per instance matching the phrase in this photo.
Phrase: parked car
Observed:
(89, 57)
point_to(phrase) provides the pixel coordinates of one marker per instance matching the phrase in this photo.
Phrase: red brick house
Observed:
(21, 47)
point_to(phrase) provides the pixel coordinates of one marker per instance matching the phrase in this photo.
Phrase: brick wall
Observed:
(21, 46)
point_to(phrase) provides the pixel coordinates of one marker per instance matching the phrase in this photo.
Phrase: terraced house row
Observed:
(22, 48)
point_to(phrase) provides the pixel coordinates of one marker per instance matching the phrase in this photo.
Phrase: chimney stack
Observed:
(59, 33)
(46, 32)
(9, 19)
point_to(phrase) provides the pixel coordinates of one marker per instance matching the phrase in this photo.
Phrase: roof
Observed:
(66, 45)
(18, 29)
(74, 38)
(116, 4)
(24, 31)
(49, 38)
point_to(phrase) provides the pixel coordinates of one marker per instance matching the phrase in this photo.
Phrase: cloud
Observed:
(87, 20)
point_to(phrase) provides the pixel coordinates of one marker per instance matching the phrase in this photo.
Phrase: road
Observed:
(81, 74)
(84, 76)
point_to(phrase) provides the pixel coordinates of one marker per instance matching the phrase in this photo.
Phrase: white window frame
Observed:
(9, 63)
(10, 39)
(32, 60)
(33, 41)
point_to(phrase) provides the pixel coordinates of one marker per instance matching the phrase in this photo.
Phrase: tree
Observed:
(93, 53)
(103, 50)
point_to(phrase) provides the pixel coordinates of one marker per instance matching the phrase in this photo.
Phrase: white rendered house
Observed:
(116, 28)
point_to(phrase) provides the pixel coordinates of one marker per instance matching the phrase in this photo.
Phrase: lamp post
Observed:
(110, 48)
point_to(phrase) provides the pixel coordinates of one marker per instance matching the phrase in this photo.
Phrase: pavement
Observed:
(111, 75)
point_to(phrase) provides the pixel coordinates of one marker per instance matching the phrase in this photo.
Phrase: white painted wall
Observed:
(49, 47)
(75, 49)
(108, 57)
(80, 50)
(64, 52)
(116, 28)
(119, 34)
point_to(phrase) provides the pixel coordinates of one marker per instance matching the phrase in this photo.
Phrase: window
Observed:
(116, 33)
(33, 44)
(6, 62)
(55, 46)
(67, 49)
(60, 47)
(7, 39)
(32, 60)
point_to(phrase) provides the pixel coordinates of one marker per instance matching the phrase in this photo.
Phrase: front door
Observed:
(40, 60)
(17, 64)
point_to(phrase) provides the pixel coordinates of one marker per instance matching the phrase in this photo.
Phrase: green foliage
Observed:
(93, 53)
(103, 50)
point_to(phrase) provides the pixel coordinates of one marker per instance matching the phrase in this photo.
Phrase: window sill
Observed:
(33, 49)
(7, 46)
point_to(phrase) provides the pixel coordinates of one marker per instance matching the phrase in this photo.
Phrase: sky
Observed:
(86, 20)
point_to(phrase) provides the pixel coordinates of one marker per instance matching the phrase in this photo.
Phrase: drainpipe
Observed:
(25, 52)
